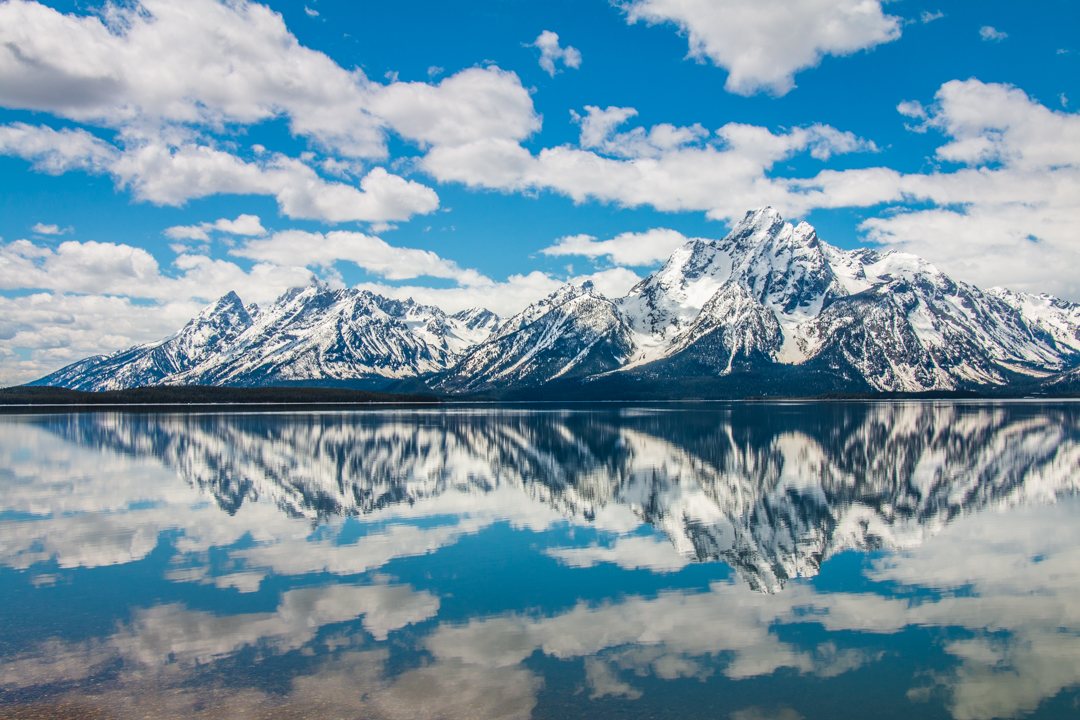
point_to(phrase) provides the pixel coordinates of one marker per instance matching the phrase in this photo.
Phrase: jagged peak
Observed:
(475, 315)
(805, 234)
(229, 303)
(568, 292)
(756, 226)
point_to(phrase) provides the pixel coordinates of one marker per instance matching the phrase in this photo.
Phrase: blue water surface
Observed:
(745, 561)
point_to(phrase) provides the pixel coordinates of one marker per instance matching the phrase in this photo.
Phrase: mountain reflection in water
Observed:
(472, 562)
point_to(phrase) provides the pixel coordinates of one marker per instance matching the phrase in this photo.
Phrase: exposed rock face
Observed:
(575, 332)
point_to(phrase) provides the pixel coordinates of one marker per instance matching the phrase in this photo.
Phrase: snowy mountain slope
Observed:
(771, 295)
(308, 334)
(781, 267)
(1057, 318)
(201, 340)
(316, 333)
(574, 332)
(732, 332)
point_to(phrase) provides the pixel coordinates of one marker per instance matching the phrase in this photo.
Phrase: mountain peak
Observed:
(756, 226)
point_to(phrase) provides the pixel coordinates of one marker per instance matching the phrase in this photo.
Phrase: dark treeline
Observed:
(201, 394)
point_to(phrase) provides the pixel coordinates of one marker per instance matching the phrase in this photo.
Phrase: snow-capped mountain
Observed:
(201, 341)
(311, 334)
(769, 309)
(576, 332)
(773, 300)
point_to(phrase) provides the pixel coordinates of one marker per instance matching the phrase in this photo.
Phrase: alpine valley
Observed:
(768, 310)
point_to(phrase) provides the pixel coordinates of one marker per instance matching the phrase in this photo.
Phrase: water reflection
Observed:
(460, 563)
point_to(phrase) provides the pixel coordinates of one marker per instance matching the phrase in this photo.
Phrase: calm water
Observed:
(914, 560)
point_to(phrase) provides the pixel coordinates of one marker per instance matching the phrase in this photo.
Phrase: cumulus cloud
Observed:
(598, 132)
(156, 62)
(1007, 214)
(152, 72)
(57, 151)
(172, 175)
(763, 44)
(100, 268)
(242, 225)
(667, 167)
(926, 16)
(629, 248)
(304, 249)
(990, 34)
(551, 53)
(53, 229)
(474, 104)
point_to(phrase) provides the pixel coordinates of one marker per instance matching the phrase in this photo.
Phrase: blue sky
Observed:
(154, 156)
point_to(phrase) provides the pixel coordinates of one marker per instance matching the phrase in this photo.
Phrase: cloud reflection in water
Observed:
(958, 505)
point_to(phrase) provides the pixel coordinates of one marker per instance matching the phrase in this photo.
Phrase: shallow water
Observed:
(752, 562)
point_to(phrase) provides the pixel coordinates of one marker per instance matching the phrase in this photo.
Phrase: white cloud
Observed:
(299, 248)
(551, 53)
(474, 104)
(763, 44)
(168, 175)
(164, 67)
(629, 248)
(152, 71)
(97, 268)
(157, 62)
(1008, 216)
(990, 34)
(669, 168)
(242, 225)
(926, 16)
(189, 232)
(311, 12)
(57, 151)
(598, 133)
(43, 229)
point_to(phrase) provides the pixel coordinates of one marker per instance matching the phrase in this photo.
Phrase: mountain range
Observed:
(770, 309)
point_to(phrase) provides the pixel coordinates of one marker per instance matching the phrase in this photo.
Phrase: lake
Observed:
(748, 561)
